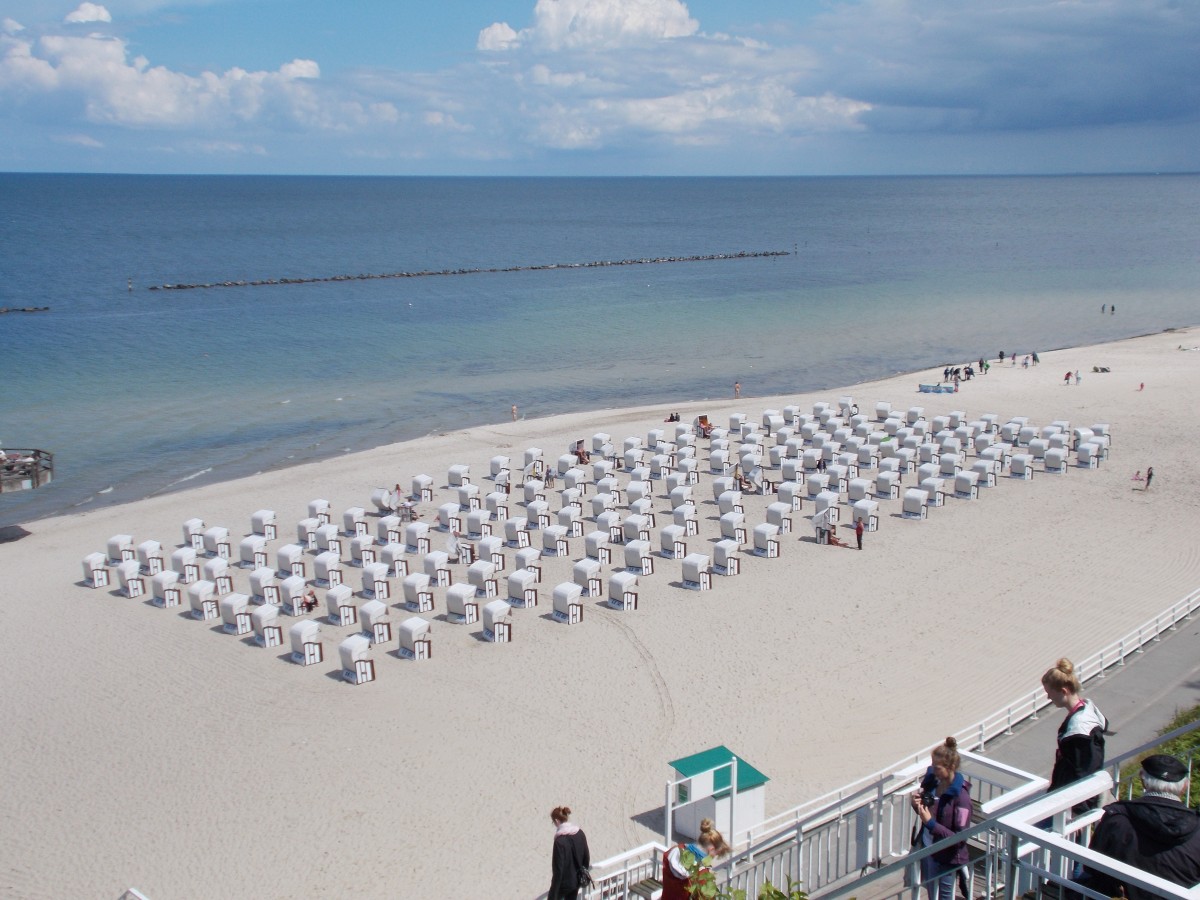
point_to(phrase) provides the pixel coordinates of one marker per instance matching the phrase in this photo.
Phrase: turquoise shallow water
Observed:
(141, 391)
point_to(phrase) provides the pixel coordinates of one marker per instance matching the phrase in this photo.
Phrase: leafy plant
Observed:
(703, 883)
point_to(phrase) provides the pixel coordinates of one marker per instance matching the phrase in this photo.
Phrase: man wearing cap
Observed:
(1156, 832)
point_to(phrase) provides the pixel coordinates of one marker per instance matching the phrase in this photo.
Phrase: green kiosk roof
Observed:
(707, 760)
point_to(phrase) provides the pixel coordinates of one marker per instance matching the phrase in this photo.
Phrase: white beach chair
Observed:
(357, 667)
(415, 639)
(623, 591)
(567, 606)
(522, 588)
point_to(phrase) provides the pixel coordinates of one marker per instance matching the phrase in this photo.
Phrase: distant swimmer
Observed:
(514, 412)
(737, 390)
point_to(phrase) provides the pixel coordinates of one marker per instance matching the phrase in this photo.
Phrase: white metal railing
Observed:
(615, 876)
(1022, 854)
(828, 839)
(975, 737)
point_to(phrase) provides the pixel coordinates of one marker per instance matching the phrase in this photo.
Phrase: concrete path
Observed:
(1139, 699)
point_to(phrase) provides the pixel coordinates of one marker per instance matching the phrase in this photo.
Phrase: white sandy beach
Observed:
(144, 748)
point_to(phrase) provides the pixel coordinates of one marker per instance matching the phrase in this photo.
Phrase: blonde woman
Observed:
(675, 876)
(1081, 734)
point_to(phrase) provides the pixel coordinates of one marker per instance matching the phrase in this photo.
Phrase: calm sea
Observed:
(140, 391)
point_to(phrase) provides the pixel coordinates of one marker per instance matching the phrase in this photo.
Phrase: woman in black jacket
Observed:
(570, 857)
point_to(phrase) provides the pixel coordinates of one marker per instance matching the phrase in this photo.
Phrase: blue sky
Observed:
(583, 87)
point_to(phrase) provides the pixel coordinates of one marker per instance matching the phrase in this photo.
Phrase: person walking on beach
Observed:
(1081, 734)
(1077, 378)
(737, 390)
(1067, 378)
(514, 412)
(858, 532)
(1149, 478)
(570, 858)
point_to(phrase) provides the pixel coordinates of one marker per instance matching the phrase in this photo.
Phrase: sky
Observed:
(600, 87)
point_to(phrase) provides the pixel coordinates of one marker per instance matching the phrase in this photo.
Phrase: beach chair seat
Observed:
(686, 518)
(916, 503)
(340, 606)
(304, 638)
(354, 521)
(986, 470)
(415, 639)
(202, 600)
(867, 512)
(436, 564)
(129, 578)
(216, 542)
(165, 590)
(375, 619)
(828, 501)
(522, 588)
(375, 584)
(636, 528)
(327, 569)
(597, 546)
(1055, 461)
(1021, 466)
(697, 572)
(567, 607)
(264, 622)
(733, 527)
(235, 614)
(264, 586)
(555, 541)
(357, 667)
(319, 509)
(497, 622)
(727, 557)
(461, 606)
(887, 485)
(638, 557)
(537, 514)
(673, 542)
(816, 483)
(587, 574)
(730, 501)
(966, 485)
(935, 487)
(329, 539)
(766, 540)
(252, 551)
(193, 534)
(780, 515)
(418, 592)
(623, 591)
(791, 493)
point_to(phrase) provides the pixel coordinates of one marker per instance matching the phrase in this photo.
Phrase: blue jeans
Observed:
(938, 878)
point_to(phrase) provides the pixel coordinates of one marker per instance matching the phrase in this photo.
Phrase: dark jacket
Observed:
(570, 854)
(1080, 749)
(1156, 834)
(952, 814)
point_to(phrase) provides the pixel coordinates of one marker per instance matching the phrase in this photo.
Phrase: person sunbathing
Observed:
(833, 538)
(309, 603)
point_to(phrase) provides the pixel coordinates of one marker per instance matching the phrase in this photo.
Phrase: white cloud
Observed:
(11, 26)
(88, 12)
(594, 24)
(497, 36)
(117, 90)
(81, 140)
